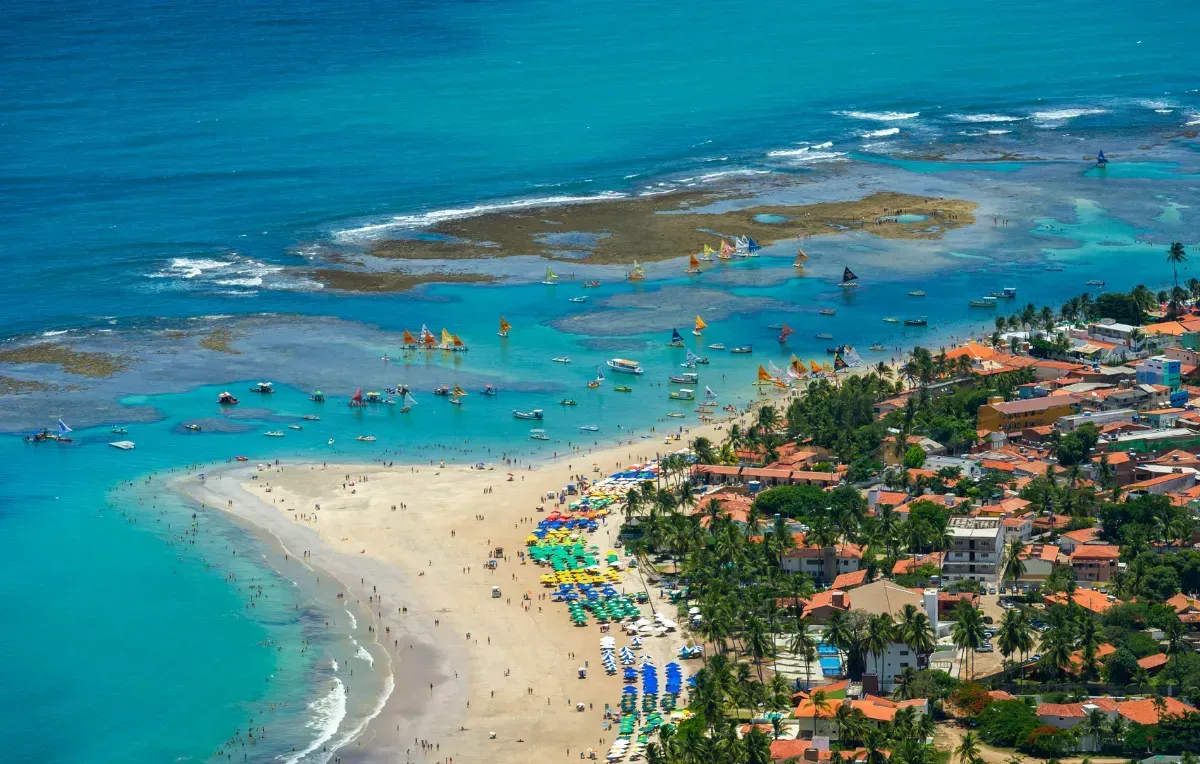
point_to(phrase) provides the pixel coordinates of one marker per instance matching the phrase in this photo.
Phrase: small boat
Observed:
(599, 378)
(488, 391)
(539, 435)
(986, 302)
(312, 418)
(192, 427)
(124, 445)
(356, 400)
(374, 397)
(785, 332)
(317, 397)
(702, 359)
(443, 390)
(568, 402)
(878, 348)
(590, 427)
(676, 339)
(824, 336)
(693, 266)
(504, 327)
(1101, 160)
(551, 277)
(227, 399)
(683, 394)
(562, 359)
(623, 389)
(582, 298)
(409, 402)
(295, 427)
(676, 415)
(1007, 293)
(700, 326)
(242, 458)
(917, 293)
(625, 366)
(774, 327)
(331, 441)
(891, 320)
(848, 279)
(119, 430)
(707, 254)
(263, 387)
(688, 378)
(385, 358)
(800, 258)
(1054, 268)
(828, 311)
(455, 400)
(366, 438)
(637, 273)
(742, 349)
(716, 346)
(706, 409)
(534, 414)
(916, 321)
(1096, 282)
(274, 434)
(591, 284)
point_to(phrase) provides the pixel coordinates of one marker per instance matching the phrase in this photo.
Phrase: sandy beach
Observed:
(409, 544)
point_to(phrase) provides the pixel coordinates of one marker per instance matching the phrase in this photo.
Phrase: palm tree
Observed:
(704, 450)
(819, 704)
(803, 645)
(1015, 635)
(916, 631)
(968, 749)
(1014, 566)
(759, 643)
(837, 630)
(967, 631)
(881, 632)
(1176, 255)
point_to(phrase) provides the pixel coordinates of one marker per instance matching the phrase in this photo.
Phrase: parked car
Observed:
(986, 647)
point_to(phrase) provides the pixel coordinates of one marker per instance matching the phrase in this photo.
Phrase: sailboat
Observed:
(409, 402)
(410, 342)
(848, 279)
(504, 327)
(1101, 160)
(458, 392)
(726, 251)
(741, 246)
(814, 367)
(356, 400)
(693, 265)
(64, 432)
(676, 339)
(709, 395)
(456, 344)
(551, 277)
(700, 326)
(690, 361)
(800, 258)
(637, 273)
(785, 332)
(707, 254)
(427, 338)
(447, 342)
(764, 376)
(599, 378)
(752, 246)
(839, 363)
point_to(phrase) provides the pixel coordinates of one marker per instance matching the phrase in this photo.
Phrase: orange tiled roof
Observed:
(1066, 710)
(1143, 711)
(1095, 552)
(1083, 535)
(850, 580)
(910, 565)
(1089, 599)
(1152, 662)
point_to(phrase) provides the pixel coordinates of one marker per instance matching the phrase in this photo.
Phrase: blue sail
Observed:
(676, 336)
(62, 428)
(752, 245)
(1101, 159)
(599, 375)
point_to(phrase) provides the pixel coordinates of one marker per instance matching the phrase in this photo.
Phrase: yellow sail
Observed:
(700, 324)
(408, 338)
(550, 274)
(447, 338)
(504, 325)
(763, 376)
(709, 250)
(826, 367)
(814, 367)
(800, 255)
(458, 391)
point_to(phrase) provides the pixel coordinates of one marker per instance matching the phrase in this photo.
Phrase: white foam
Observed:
(363, 655)
(885, 132)
(333, 664)
(328, 713)
(999, 132)
(985, 118)
(807, 154)
(1062, 115)
(255, 281)
(189, 267)
(731, 174)
(54, 333)
(1193, 119)
(426, 219)
(1163, 111)
(353, 620)
(1159, 105)
(389, 686)
(879, 116)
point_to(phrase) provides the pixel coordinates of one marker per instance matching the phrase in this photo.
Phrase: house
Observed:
(1078, 661)
(1044, 369)
(1119, 462)
(823, 564)
(976, 549)
(948, 601)
(822, 604)
(800, 749)
(1162, 418)
(886, 597)
(1139, 396)
(1136, 710)
(1095, 562)
(1040, 561)
(847, 581)
(1088, 599)
(1159, 370)
(1015, 416)
(1176, 480)
(1187, 608)
(1071, 539)
(1018, 528)
(911, 564)
(716, 474)
(1099, 418)
(876, 711)
(1154, 663)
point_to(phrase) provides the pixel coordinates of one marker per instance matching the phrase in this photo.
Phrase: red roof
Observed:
(1096, 552)
(849, 580)
(1083, 535)
(1067, 710)
(1143, 711)
(1153, 662)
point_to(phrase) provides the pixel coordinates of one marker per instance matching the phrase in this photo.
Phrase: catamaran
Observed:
(707, 254)
(124, 445)
(676, 339)
(534, 414)
(693, 265)
(295, 427)
(504, 327)
(637, 273)
(700, 326)
(848, 279)
(785, 331)
(366, 438)
(551, 277)
(824, 336)
(274, 434)
(716, 346)
(562, 359)
(625, 366)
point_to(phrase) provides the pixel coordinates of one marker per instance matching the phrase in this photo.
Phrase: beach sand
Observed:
(516, 670)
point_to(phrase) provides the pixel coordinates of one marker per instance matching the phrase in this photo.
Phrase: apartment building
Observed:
(976, 551)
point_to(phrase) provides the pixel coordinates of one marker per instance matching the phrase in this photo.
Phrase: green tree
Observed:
(1176, 255)
(967, 631)
(914, 457)
(968, 751)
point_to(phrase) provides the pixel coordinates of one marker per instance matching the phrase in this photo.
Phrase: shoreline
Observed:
(460, 712)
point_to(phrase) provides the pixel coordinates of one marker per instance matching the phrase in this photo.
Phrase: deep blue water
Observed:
(141, 141)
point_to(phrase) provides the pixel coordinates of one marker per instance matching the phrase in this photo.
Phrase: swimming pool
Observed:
(831, 666)
(826, 649)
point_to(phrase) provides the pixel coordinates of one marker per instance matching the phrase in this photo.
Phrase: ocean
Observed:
(166, 165)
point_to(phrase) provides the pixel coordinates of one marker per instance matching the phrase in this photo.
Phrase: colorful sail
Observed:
(726, 250)
(62, 428)
(694, 262)
(458, 391)
(848, 275)
(504, 325)
(785, 332)
(814, 367)
(708, 251)
(550, 274)
(408, 338)
(357, 397)
(700, 325)
(1101, 159)
(763, 375)
(690, 360)
(839, 363)
(709, 393)
(775, 371)
(457, 342)
(637, 272)
(800, 254)
(426, 335)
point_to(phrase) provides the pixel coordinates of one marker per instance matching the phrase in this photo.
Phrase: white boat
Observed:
(1096, 282)
(263, 387)
(295, 427)
(590, 427)
(551, 277)
(192, 427)
(577, 299)
(534, 414)
(366, 438)
(687, 378)
(118, 430)
(274, 434)
(716, 346)
(312, 418)
(625, 366)
(331, 441)
(124, 445)
(539, 435)
(562, 359)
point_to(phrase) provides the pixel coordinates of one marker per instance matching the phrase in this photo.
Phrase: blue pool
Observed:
(831, 666)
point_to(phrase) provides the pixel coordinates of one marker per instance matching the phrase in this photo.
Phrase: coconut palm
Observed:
(967, 631)
(1015, 635)
(968, 750)
(916, 631)
(1014, 566)
(820, 703)
(803, 645)
(1176, 255)
(881, 632)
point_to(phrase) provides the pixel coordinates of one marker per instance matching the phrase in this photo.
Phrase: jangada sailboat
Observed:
(693, 265)
(637, 273)
(785, 331)
(726, 251)
(410, 342)
(700, 326)
(599, 378)
(848, 279)
(551, 277)
(504, 327)
(409, 402)
(800, 258)
(707, 254)
(676, 339)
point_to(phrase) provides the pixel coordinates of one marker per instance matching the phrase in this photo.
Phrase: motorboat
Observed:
(227, 399)
(567, 402)
(625, 366)
(676, 415)
(824, 336)
(623, 389)
(242, 458)
(985, 302)
(916, 321)
(1054, 268)
(119, 430)
(878, 348)
(917, 293)
(590, 427)
(828, 311)
(192, 427)
(1096, 282)
(683, 394)
(891, 320)
(538, 435)
(263, 387)
(742, 349)
(716, 346)
(274, 434)
(317, 397)
(488, 390)
(365, 438)
(534, 414)
(295, 427)
(441, 390)
(1008, 293)
(591, 284)
(687, 378)
(312, 417)
(577, 299)
(562, 359)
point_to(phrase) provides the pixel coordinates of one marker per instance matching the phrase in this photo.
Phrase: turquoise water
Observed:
(177, 160)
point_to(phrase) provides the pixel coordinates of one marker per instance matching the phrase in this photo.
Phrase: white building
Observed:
(976, 551)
